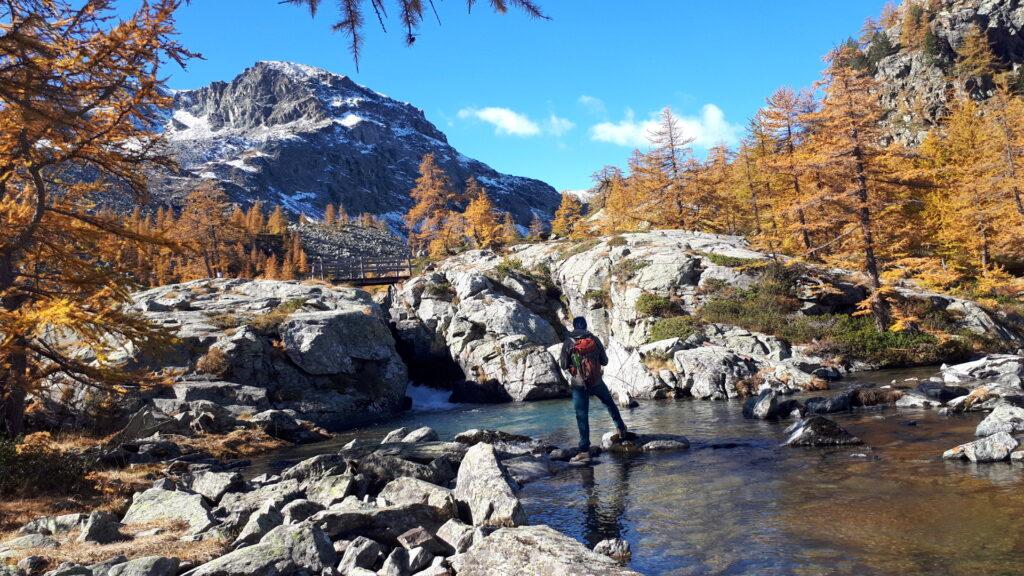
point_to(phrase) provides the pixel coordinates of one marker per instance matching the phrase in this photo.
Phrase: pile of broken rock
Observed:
(411, 505)
(994, 384)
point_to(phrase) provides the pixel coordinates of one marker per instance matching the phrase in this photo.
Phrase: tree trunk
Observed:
(753, 197)
(12, 395)
(803, 231)
(12, 389)
(791, 150)
(985, 256)
(879, 307)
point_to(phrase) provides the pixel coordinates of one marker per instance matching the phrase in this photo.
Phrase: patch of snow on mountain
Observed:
(195, 126)
(350, 120)
(498, 185)
(395, 221)
(241, 165)
(402, 131)
(350, 101)
(295, 68)
(298, 202)
(581, 195)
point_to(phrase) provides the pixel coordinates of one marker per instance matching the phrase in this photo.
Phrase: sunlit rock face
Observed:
(916, 86)
(498, 322)
(251, 345)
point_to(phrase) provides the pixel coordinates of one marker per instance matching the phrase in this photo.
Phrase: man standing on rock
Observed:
(583, 356)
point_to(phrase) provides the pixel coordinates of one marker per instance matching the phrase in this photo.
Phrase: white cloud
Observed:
(558, 126)
(592, 104)
(707, 130)
(508, 122)
(505, 121)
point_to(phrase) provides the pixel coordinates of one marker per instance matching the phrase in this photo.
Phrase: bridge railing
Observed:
(382, 270)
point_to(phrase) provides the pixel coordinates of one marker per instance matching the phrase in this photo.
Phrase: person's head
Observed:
(579, 323)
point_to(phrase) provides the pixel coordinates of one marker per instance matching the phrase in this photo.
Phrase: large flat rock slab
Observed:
(534, 551)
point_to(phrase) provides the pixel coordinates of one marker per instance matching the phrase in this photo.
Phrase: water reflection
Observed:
(606, 503)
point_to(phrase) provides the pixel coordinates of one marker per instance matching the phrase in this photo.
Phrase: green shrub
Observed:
(541, 274)
(598, 296)
(36, 469)
(291, 306)
(714, 286)
(617, 241)
(675, 327)
(766, 307)
(509, 266)
(541, 271)
(858, 337)
(653, 305)
(269, 322)
(730, 261)
(574, 248)
(439, 291)
(628, 267)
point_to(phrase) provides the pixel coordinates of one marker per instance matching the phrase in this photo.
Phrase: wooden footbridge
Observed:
(367, 271)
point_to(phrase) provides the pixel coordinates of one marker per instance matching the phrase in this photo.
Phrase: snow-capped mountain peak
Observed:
(302, 136)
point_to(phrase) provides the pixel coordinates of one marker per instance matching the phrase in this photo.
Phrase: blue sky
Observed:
(558, 99)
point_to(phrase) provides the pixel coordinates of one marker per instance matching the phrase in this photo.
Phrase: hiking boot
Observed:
(627, 436)
(581, 458)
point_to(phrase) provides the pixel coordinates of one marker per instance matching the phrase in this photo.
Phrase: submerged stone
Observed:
(819, 431)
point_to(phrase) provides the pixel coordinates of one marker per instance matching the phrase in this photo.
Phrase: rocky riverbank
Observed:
(266, 352)
(411, 505)
(497, 320)
(288, 360)
(682, 314)
(416, 504)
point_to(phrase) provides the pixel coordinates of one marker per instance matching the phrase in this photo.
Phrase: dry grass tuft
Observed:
(977, 396)
(376, 290)
(876, 396)
(167, 542)
(112, 489)
(237, 444)
(749, 386)
(817, 384)
(656, 362)
(214, 362)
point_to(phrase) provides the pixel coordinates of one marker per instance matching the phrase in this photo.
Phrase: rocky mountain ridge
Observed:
(917, 84)
(302, 137)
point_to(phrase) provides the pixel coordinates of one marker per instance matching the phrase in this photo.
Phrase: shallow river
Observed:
(738, 503)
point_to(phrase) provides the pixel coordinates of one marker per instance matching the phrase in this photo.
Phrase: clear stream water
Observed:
(738, 503)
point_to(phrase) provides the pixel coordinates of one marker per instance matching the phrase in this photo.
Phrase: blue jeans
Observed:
(581, 403)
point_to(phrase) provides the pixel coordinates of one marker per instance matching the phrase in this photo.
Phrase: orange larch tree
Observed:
(481, 218)
(783, 120)
(858, 189)
(435, 204)
(568, 215)
(80, 92)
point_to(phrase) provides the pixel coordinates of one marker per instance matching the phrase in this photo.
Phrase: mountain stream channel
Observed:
(739, 503)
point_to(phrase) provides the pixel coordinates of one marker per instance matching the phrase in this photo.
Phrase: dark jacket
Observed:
(564, 360)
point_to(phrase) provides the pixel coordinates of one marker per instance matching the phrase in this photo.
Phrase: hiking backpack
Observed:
(585, 365)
